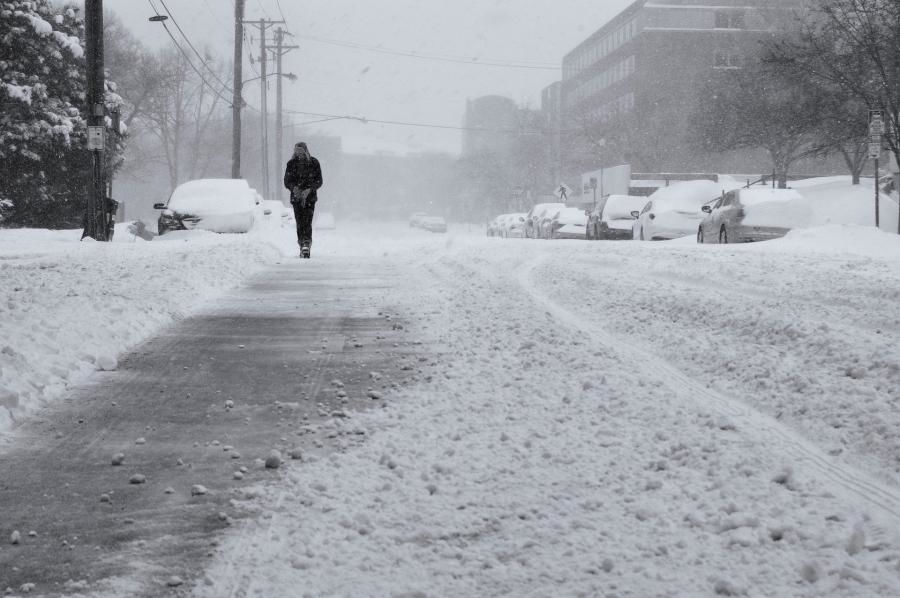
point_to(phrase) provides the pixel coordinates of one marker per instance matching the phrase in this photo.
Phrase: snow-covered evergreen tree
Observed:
(43, 128)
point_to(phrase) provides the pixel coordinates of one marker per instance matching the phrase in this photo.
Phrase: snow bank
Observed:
(69, 308)
(835, 200)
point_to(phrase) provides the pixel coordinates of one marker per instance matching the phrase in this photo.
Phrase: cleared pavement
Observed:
(261, 369)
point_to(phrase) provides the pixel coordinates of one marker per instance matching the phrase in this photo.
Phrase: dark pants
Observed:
(304, 218)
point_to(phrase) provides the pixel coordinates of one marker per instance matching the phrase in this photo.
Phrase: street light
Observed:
(158, 19)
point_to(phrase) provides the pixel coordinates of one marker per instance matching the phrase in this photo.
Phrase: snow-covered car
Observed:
(513, 226)
(746, 215)
(324, 221)
(217, 205)
(416, 219)
(536, 215)
(617, 218)
(275, 212)
(568, 223)
(493, 227)
(675, 211)
(434, 224)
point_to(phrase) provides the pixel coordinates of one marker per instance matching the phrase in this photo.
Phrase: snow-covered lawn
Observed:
(612, 419)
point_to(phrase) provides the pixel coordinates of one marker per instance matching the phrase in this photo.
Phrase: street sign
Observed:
(96, 138)
(874, 149)
(876, 122)
(562, 192)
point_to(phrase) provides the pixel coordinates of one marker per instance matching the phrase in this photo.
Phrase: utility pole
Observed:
(263, 26)
(280, 50)
(96, 221)
(263, 86)
(237, 102)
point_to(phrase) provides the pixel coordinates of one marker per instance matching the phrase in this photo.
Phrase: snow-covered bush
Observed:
(43, 129)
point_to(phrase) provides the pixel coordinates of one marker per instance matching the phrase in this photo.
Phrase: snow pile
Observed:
(546, 450)
(835, 200)
(70, 308)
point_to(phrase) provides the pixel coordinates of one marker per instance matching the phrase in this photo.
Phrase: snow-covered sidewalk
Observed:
(610, 419)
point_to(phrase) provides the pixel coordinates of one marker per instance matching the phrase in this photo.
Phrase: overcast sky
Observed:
(340, 80)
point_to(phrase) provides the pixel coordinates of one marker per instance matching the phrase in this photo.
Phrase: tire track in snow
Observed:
(855, 485)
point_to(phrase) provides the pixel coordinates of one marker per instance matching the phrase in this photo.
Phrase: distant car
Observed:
(675, 211)
(513, 226)
(416, 219)
(747, 215)
(568, 223)
(324, 221)
(217, 205)
(535, 216)
(617, 218)
(434, 224)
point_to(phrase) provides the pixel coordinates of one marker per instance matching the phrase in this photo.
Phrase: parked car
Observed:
(217, 205)
(592, 230)
(494, 226)
(568, 223)
(434, 224)
(513, 226)
(275, 212)
(535, 216)
(746, 215)
(675, 211)
(617, 218)
(416, 219)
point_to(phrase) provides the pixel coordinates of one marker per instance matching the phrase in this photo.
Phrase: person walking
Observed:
(303, 178)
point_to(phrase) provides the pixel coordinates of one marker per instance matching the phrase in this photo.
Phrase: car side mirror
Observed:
(159, 206)
(635, 214)
(707, 209)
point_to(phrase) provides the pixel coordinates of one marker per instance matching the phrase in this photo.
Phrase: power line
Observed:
(364, 120)
(281, 12)
(188, 58)
(187, 39)
(263, 9)
(474, 61)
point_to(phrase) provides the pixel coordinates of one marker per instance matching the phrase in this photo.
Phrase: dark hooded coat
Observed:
(301, 174)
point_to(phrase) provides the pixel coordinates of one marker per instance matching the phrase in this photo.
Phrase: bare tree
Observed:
(854, 46)
(759, 106)
(185, 114)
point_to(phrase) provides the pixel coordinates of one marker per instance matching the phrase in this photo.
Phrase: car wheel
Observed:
(723, 236)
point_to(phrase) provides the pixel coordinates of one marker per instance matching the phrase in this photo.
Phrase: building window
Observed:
(730, 19)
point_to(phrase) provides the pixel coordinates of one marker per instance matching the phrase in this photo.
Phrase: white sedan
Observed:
(217, 205)
(676, 211)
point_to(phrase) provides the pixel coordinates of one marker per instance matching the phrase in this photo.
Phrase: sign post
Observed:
(876, 131)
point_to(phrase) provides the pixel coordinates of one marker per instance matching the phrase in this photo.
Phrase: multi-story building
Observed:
(646, 67)
(490, 125)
